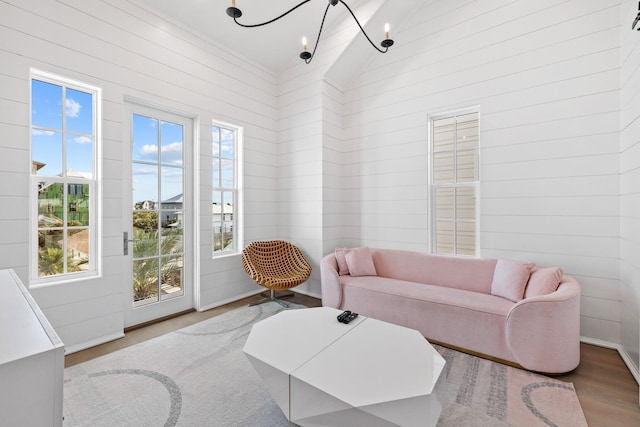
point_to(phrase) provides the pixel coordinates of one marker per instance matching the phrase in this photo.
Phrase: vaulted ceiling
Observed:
(274, 46)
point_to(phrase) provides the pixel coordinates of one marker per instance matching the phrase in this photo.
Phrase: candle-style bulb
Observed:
(304, 54)
(386, 30)
(233, 3)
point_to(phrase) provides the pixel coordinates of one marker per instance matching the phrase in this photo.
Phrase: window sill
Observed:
(225, 255)
(63, 280)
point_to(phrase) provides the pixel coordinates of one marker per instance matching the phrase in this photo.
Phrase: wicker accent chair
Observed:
(276, 265)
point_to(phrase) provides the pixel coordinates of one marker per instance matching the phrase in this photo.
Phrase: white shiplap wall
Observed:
(129, 51)
(300, 173)
(630, 182)
(545, 77)
(309, 140)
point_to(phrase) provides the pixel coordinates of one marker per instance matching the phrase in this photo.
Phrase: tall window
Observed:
(225, 189)
(455, 183)
(64, 139)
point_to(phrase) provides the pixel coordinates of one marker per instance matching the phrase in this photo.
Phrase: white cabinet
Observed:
(31, 360)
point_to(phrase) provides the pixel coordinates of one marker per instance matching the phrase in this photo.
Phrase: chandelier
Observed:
(307, 56)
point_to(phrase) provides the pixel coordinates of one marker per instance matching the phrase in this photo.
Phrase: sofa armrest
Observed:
(330, 282)
(543, 332)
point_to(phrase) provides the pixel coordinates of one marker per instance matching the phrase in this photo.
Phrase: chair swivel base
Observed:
(272, 297)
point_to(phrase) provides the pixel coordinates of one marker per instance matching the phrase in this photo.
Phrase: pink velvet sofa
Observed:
(479, 305)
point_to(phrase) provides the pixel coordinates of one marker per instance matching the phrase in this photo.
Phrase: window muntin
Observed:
(455, 182)
(225, 189)
(64, 135)
(158, 209)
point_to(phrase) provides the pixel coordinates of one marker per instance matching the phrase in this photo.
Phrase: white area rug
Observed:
(198, 376)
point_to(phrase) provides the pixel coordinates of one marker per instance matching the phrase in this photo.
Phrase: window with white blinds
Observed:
(454, 183)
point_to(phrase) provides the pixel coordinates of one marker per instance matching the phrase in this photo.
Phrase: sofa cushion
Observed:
(465, 319)
(510, 279)
(433, 293)
(543, 281)
(360, 262)
(341, 258)
(468, 273)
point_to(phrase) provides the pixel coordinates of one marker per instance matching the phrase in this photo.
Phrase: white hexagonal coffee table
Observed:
(324, 373)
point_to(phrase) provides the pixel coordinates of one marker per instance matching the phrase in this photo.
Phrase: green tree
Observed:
(146, 221)
(147, 277)
(51, 261)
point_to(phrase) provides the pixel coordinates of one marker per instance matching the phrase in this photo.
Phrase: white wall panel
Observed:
(630, 182)
(310, 148)
(577, 127)
(587, 246)
(588, 145)
(91, 331)
(552, 225)
(590, 326)
(599, 287)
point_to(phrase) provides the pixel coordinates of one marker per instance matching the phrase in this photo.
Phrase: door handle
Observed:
(125, 242)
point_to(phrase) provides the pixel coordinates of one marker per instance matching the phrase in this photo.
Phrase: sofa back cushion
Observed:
(543, 281)
(510, 279)
(471, 274)
(360, 262)
(341, 258)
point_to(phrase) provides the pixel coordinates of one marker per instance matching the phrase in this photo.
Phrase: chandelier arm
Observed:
(362, 29)
(274, 19)
(319, 33)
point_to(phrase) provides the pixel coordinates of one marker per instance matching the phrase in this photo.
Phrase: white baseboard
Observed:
(599, 343)
(310, 294)
(621, 351)
(92, 343)
(229, 300)
(250, 294)
(629, 362)
(111, 337)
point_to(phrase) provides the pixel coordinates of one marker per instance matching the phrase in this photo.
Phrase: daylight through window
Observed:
(225, 189)
(455, 180)
(63, 183)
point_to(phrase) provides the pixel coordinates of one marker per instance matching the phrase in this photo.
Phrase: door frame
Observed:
(191, 270)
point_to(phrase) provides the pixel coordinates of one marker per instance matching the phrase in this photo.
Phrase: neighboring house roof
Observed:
(36, 166)
(174, 199)
(76, 174)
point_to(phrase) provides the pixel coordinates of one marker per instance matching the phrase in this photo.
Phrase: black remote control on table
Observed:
(351, 317)
(342, 316)
(346, 316)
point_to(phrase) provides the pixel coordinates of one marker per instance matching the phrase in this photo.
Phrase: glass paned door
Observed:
(158, 215)
(156, 218)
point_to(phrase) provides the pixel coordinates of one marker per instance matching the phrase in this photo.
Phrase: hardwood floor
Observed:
(607, 391)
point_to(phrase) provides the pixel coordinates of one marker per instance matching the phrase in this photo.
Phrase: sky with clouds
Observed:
(157, 154)
(48, 116)
(62, 139)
